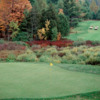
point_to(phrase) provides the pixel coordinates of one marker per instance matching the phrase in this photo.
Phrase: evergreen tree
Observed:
(34, 20)
(87, 14)
(52, 1)
(93, 15)
(63, 25)
(51, 15)
(41, 5)
(32, 2)
(98, 15)
(25, 23)
(60, 4)
(72, 11)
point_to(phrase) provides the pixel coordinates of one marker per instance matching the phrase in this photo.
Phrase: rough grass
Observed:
(81, 68)
(82, 32)
(31, 80)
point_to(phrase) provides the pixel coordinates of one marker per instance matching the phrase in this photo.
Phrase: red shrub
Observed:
(88, 42)
(61, 43)
(11, 46)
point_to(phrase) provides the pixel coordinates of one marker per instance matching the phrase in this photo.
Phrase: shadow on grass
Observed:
(81, 68)
(84, 96)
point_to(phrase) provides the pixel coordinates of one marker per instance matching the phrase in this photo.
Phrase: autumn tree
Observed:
(5, 16)
(43, 33)
(94, 7)
(12, 10)
(29, 25)
(13, 28)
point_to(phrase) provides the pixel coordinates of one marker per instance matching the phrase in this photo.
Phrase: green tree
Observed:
(41, 5)
(51, 15)
(53, 1)
(98, 15)
(60, 4)
(32, 2)
(34, 20)
(72, 11)
(63, 25)
(86, 12)
(13, 28)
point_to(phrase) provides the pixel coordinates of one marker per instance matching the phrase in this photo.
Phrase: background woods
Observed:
(21, 20)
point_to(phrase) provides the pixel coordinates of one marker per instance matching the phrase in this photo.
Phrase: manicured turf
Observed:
(30, 80)
(83, 32)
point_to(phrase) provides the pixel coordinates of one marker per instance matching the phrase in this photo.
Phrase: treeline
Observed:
(91, 8)
(52, 19)
(48, 20)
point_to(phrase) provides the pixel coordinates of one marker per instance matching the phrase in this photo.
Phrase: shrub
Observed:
(54, 33)
(11, 57)
(45, 58)
(28, 56)
(11, 46)
(60, 43)
(35, 47)
(2, 47)
(56, 59)
(23, 36)
(51, 50)
(95, 43)
(2, 41)
(21, 43)
(78, 43)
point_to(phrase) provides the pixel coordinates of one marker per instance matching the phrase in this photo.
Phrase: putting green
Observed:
(31, 80)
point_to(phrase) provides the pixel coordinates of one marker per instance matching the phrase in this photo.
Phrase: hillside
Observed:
(83, 32)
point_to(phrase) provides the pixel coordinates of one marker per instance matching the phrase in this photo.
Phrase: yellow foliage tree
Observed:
(42, 33)
(94, 6)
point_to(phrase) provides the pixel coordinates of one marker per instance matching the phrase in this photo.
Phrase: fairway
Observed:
(82, 32)
(31, 80)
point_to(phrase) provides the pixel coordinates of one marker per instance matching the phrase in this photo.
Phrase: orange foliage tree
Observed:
(12, 10)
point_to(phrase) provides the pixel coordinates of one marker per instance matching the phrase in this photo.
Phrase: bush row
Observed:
(64, 43)
(12, 45)
(68, 55)
(60, 43)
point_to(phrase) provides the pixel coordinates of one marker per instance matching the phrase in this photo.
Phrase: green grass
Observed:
(81, 68)
(82, 32)
(31, 80)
